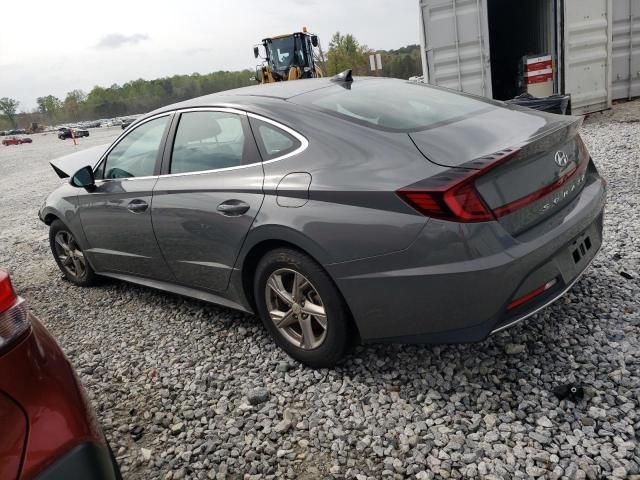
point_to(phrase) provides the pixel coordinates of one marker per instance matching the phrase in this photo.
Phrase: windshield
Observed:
(281, 52)
(394, 105)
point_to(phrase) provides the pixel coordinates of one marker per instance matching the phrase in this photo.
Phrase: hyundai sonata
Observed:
(339, 208)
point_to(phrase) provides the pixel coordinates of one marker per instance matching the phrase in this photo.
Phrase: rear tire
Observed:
(301, 308)
(69, 256)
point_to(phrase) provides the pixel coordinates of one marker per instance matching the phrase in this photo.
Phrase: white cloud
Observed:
(117, 40)
(54, 51)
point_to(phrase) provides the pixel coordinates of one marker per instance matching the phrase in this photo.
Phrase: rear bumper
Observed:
(455, 282)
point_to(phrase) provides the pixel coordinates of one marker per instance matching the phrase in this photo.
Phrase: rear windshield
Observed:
(394, 105)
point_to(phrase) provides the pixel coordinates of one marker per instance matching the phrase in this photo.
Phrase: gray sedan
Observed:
(338, 210)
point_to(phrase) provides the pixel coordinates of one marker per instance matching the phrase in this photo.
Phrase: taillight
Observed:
(461, 203)
(14, 320)
(452, 195)
(7, 296)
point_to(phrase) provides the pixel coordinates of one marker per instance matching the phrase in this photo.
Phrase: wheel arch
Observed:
(270, 239)
(50, 217)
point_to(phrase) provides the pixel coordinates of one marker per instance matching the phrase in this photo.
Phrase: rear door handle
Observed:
(137, 206)
(233, 208)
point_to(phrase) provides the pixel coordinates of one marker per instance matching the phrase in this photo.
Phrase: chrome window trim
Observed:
(304, 143)
(115, 144)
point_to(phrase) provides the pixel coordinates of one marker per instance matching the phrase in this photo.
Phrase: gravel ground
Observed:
(190, 390)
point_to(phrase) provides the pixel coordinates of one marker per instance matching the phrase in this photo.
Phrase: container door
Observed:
(455, 46)
(626, 49)
(587, 49)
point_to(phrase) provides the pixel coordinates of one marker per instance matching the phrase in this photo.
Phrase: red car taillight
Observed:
(461, 203)
(14, 320)
(452, 195)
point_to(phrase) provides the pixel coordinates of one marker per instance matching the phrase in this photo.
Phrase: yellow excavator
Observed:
(289, 57)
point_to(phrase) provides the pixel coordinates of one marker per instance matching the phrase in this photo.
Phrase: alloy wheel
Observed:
(70, 255)
(296, 309)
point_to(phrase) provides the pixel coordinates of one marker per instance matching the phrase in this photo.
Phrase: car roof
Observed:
(256, 95)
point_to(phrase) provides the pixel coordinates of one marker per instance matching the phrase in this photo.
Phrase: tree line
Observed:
(346, 52)
(141, 96)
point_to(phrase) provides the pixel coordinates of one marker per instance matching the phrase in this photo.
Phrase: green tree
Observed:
(9, 107)
(74, 103)
(49, 105)
(138, 96)
(346, 52)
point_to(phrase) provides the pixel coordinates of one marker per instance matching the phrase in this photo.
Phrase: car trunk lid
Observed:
(530, 163)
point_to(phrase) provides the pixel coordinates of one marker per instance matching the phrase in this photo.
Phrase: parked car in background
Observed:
(65, 132)
(49, 431)
(126, 122)
(15, 140)
(337, 209)
(18, 131)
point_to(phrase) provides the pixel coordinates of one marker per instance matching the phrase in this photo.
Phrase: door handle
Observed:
(233, 208)
(137, 206)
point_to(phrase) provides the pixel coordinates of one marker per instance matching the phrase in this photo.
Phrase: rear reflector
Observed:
(14, 320)
(531, 295)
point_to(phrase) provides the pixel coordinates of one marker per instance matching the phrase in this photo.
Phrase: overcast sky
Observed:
(53, 47)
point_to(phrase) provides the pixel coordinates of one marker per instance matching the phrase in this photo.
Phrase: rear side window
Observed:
(273, 141)
(393, 105)
(207, 141)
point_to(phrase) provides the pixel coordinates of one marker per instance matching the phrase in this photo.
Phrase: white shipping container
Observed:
(476, 46)
(626, 49)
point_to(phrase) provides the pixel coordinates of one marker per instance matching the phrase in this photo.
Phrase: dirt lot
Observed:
(190, 390)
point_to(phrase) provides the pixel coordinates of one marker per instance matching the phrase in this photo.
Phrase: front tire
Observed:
(69, 256)
(301, 308)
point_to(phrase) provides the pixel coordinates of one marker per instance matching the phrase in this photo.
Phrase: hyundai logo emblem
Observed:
(561, 159)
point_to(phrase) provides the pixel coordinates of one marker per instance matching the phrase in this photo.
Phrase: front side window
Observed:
(207, 141)
(136, 154)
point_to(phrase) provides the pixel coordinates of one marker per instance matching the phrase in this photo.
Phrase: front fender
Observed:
(62, 203)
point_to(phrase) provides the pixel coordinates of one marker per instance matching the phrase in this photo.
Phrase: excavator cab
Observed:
(288, 57)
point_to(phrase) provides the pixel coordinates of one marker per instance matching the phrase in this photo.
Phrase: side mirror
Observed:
(83, 178)
(256, 52)
(314, 40)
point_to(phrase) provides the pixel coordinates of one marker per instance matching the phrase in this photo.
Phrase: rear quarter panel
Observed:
(352, 210)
